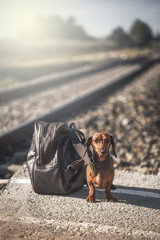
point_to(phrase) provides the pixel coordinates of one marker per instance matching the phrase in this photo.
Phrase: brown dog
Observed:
(100, 173)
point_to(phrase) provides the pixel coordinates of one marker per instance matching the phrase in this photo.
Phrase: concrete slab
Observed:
(27, 215)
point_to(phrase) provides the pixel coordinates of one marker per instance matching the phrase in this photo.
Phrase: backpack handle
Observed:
(72, 126)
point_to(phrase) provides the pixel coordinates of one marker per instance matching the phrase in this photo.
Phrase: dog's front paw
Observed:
(112, 199)
(90, 199)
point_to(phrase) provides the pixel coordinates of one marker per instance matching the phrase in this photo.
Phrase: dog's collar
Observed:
(96, 166)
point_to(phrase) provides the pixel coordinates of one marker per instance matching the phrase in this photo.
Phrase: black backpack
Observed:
(56, 158)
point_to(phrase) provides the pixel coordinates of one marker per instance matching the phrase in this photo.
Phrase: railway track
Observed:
(53, 80)
(23, 131)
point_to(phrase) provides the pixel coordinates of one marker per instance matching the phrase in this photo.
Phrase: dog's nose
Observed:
(103, 151)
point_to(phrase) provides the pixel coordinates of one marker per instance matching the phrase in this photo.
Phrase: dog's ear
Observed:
(113, 146)
(89, 142)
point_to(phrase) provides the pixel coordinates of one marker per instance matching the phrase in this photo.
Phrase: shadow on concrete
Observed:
(147, 200)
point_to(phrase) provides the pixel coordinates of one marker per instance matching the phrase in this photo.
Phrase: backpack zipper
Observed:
(54, 130)
(40, 145)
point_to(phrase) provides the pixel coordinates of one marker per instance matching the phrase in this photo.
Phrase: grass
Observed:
(7, 82)
(20, 69)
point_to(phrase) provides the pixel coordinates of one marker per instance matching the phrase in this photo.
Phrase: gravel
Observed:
(131, 116)
(34, 105)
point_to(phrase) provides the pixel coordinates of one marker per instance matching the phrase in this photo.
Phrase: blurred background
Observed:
(40, 37)
(49, 51)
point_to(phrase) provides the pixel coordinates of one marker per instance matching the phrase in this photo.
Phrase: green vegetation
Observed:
(7, 82)
(140, 35)
(120, 38)
(54, 27)
(27, 70)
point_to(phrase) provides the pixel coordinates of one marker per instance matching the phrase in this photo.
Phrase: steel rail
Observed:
(23, 131)
(34, 87)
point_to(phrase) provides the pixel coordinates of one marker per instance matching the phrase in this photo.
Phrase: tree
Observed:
(120, 38)
(54, 27)
(73, 31)
(140, 33)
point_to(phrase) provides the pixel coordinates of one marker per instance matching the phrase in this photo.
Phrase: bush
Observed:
(120, 38)
(140, 34)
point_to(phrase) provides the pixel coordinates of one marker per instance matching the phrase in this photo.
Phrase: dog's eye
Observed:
(96, 140)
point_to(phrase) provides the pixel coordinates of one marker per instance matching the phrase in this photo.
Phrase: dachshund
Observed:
(100, 172)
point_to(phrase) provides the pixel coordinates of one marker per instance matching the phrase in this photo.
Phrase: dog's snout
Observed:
(103, 151)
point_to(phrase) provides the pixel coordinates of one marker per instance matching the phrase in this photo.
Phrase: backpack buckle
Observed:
(69, 168)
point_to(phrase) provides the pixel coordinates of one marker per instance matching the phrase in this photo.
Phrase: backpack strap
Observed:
(78, 144)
